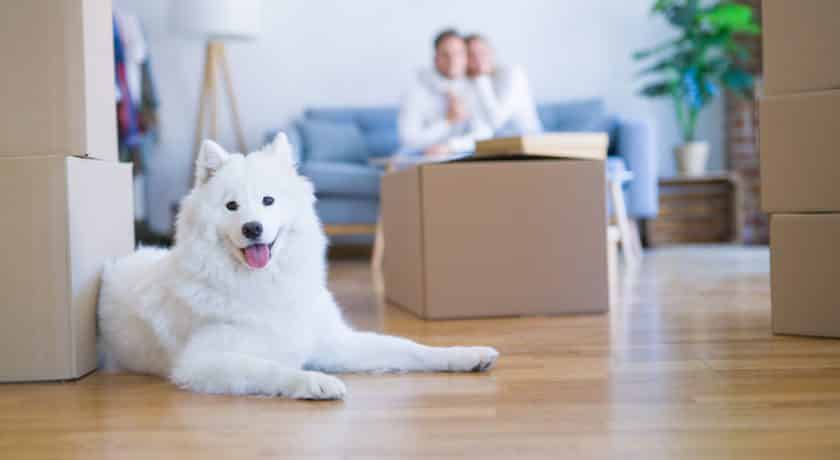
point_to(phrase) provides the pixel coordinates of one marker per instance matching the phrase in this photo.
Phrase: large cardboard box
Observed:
(801, 41)
(800, 152)
(63, 217)
(57, 82)
(496, 238)
(804, 250)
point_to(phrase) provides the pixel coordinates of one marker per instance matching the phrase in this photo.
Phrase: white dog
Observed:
(240, 305)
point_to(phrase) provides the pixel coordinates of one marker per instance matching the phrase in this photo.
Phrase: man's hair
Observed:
(444, 35)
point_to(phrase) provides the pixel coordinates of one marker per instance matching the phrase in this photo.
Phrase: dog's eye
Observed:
(268, 201)
(232, 205)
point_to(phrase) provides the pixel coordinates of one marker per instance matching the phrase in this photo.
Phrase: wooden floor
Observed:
(683, 367)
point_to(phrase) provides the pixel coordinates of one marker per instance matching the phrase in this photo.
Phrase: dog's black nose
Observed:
(252, 230)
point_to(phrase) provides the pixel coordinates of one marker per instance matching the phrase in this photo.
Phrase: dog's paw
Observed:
(317, 385)
(472, 359)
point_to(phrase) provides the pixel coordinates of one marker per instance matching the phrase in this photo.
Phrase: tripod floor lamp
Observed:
(216, 22)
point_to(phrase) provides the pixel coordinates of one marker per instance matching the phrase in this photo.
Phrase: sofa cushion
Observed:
(367, 118)
(382, 142)
(583, 115)
(333, 141)
(343, 179)
(378, 125)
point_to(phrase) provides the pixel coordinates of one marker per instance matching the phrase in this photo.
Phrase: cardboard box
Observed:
(804, 250)
(801, 42)
(63, 217)
(57, 83)
(562, 145)
(496, 238)
(800, 153)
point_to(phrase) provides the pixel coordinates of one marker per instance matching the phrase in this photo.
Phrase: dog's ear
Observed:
(280, 146)
(211, 157)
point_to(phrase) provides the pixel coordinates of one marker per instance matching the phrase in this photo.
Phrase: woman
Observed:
(503, 92)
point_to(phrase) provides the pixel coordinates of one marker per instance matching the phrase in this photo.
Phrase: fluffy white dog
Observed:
(240, 305)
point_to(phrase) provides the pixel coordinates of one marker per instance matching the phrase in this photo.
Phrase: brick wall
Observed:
(742, 151)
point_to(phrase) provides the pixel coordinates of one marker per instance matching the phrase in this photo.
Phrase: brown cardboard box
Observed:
(496, 238)
(801, 42)
(800, 153)
(57, 82)
(592, 145)
(62, 218)
(804, 250)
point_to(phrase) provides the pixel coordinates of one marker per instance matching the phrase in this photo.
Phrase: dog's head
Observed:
(248, 204)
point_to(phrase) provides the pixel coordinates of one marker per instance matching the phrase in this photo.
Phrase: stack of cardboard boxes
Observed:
(800, 163)
(65, 201)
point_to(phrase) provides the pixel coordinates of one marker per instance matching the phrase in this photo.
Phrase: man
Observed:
(505, 101)
(437, 117)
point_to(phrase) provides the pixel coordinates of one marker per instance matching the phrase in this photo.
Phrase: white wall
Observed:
(364, 52)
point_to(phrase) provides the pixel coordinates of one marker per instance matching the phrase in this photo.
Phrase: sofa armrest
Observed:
(636, 143)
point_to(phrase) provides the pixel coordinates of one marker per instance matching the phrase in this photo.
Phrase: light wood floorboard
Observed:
(683, 367)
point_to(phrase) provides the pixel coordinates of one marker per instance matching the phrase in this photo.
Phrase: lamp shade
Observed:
(216, 19)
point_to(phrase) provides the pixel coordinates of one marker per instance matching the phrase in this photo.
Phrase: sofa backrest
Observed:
(379, 124)
(581, 115)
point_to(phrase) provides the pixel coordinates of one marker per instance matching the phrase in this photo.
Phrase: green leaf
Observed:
(709, 40)
(663, 65)
(638, 55)
(733, 17)
(738, 51)
(730, 15)
(736, 79)
(716, 66)
(683, 16)
(662, 5)
(659, 89)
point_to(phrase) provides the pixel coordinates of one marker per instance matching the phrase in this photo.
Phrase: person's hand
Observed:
(456, 111)
(437, 150)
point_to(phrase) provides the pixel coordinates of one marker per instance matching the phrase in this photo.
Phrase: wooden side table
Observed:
(696, 209)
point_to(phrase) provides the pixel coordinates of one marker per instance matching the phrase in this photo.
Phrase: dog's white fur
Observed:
(200, 316)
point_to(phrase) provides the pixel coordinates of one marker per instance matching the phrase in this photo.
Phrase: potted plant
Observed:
(694, 66)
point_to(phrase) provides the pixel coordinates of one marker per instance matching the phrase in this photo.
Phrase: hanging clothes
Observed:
(137, 101)
(128, 129)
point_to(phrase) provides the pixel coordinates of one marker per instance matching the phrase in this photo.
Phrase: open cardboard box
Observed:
(63, 218)
(518, 235)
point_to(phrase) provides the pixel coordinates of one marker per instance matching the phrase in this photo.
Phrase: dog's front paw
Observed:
(317, 385)
(472, 359)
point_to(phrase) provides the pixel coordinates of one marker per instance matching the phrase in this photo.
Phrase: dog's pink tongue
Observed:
(257, 255)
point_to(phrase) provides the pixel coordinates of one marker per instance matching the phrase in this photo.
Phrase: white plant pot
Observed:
(692, 158)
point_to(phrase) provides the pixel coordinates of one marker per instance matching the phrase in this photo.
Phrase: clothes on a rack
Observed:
(136, 104)
(137, 99)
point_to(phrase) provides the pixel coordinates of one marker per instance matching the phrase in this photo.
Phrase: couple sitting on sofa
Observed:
(465, 98)
(341, 149)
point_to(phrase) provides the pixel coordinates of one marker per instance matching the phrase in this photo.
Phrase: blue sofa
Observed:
(333, 145)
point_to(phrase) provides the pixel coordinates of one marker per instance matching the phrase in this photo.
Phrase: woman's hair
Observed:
(473, 37)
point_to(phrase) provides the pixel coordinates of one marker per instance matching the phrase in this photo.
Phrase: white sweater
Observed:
(422, 120)
(505, 98)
